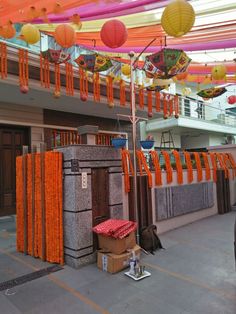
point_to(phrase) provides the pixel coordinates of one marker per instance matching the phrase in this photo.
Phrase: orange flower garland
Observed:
(189, 166)
(214, 166)
(122, 93)
(149, 100)
(232, 162)
(69, 79)
(83, 83)
(127, 168)
(158, 101)
(198, 165)
(23, 67)
(179, 168)
(169, 170)
(110, 96)
(141, 98)
(176, 106)
(156, 164)
(44, 72)
(165, 107)
(207, 166)
(222, 165)
(143, 164)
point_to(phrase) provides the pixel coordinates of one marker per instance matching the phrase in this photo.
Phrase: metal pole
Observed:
(133, 120)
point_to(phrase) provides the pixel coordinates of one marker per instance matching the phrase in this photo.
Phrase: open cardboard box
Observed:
(116, 246)
(114, 263)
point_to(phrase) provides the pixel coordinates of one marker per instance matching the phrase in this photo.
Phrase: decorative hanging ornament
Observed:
(218, 72)
(125, 69)
(186, 91)
(113, 33)
(30, 34)
(178, 18)
(182, 76)
(65, 35)
(24, 89)
(231, 100)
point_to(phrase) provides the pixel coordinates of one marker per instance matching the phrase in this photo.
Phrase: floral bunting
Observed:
(23, 67)
(214, 166)
(169, 170)
(198, 165)
(157, 167)
(179, 168)
(127, 168)
(3, 60)
(188, 161)
(207, 166)
(143, 164)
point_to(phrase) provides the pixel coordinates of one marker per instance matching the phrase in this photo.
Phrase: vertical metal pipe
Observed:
(133, 120)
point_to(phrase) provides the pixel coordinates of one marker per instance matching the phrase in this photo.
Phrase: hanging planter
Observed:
(119, 142)
(147, 144)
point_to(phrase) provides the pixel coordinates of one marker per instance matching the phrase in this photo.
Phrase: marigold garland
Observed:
(176, 106)
(110, 96)
(179, 168)
(157, 167)
(214, 166)
(158, 101)
(149, 101)
(127, 168)
(141, 98)
(222, 165)
(23, 67)
(83, 83)
(232, 162)
(122, 93)
(44, 72)
(207, 166)
(188, 161)
(69, 79)
(171, 105)
(3, 60)
(57, 78)
(165, 107)
(143, 164)
(169, 170)
(198, 165)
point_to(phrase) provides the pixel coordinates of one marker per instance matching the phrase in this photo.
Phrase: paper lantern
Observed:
(113, 33)
(218, 72)
(186, 91)
(7, 31)
(178, 18)
(65, 35)
(231, 100)
(57, 94)
(111, 104)
(30, 34)
(24, 89)
(83, 97)
(125, 69)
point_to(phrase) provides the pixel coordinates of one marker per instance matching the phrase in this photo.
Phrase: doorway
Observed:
(11, 141)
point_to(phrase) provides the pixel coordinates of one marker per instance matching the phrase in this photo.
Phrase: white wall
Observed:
(13, 114)
(190, 142)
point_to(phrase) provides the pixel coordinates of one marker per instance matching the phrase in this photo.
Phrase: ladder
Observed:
(167, 138)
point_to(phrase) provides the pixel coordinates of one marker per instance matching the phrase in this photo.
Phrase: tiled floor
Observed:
(195, 274)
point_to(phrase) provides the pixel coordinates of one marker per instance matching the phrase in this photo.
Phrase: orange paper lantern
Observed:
(7, 31)
(65, 35)
(114, 33)
(182, 76)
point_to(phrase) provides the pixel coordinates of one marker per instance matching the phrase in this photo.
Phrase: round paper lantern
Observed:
(125, 69)
(178, 18)
(24, 89)
(231, 100)
(182, 76)
(113, 33)
(30, 34)
(218, 72)
(7, 31)
(65, 35)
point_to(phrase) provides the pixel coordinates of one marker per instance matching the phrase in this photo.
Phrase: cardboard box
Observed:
(114, 263)
(116, 246)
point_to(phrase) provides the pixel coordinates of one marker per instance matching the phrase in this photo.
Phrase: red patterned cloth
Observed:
(115, 228)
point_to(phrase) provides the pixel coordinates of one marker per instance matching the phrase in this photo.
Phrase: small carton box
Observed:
(114, 263)
(116, 246)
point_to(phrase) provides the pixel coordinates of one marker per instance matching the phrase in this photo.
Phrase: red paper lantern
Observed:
(231, 100)
(24, 89)
(65, 35)
(83, 97)
(113, 33)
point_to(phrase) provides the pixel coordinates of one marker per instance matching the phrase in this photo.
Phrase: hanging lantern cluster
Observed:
(178, 18)
(218, 72)
(113, 33)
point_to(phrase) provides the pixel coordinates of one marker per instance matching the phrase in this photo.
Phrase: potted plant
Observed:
(148, 143)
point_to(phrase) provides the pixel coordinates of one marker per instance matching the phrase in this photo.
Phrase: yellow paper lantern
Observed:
(178, 18)
(30, 34)
(125, 69)
(186, 91)
(218, 72)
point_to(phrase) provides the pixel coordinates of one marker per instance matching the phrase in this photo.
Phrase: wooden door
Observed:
(11, 142)
(100, 198)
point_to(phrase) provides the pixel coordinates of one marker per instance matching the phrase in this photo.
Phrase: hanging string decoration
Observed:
(3, 60)
(127, 168)
(23, 70)
(57, 91)
(207, 166)
(189, 166)
(222, 165)
(232, 162)
(69, 79)
(143, 165)
(83, 83)
(141, 97)
(122, 93)
(44, 71)
(96, 87)
(179, 168)
(158, 101)
(214, 165)
(198, 166)
(110, 96)
(157, 167)
(165, 106)
(169, 170)
(176, 106)
(149, 101)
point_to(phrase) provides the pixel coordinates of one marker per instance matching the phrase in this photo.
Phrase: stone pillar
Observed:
(88, 134)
